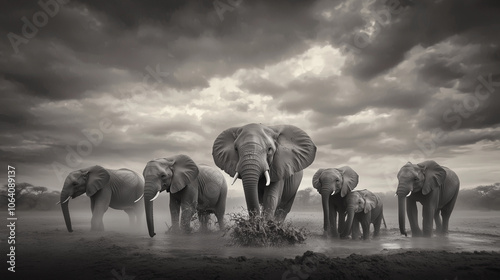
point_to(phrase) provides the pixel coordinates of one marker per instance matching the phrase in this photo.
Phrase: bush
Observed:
(257, 231)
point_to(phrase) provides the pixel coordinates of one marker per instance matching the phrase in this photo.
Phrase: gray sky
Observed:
(375, 85)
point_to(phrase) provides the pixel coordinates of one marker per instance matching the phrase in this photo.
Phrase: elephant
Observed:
(435, 187)
(269, 160)
(366, 208)
(119, 189)
(192, 188)
(333, 184)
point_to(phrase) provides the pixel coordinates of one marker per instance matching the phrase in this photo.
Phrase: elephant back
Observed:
(125, 178)
(211, 183)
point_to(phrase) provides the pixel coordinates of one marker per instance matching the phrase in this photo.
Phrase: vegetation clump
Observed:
(257, 231)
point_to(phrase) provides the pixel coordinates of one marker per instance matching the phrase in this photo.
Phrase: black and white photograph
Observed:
(250, 139)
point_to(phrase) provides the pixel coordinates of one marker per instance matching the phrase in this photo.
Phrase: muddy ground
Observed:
(45, 250)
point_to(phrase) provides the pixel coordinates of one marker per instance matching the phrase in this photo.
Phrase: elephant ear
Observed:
(223, 151)
(349, 181)
(315, 180)
(294, 151)
(371, 201)
(434, 175)
(97, 178)
(185, 171)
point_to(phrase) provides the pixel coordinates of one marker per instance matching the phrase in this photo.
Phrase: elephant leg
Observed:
(446, 213)
(333, 221)
(284, 209)
(272, 195)
(437, 220)
(139, 211)
(175, 207)
(365, 224)
(412, 211)
(356, 231)
(220, 210)
(220, 219)
(428, 217)
(131, 216)
(101, 205)
(203, 217)
(341, 222)
(187, 212)
(376, 225)
(286, 191)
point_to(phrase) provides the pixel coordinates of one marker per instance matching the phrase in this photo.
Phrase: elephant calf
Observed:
(119, 189)
(333, 184)
(366, 208)
(192, 188)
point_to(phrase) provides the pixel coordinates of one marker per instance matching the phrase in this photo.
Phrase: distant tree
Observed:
(304, 196)
(30, 197)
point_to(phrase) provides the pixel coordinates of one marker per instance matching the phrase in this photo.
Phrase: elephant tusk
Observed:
(59, 202)
(408, 194)
(396, 194)
(139, 198)
(333, 192)
(157, 194)
(268, 179)
(235, 178)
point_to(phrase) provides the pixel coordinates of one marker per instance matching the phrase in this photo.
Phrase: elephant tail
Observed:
(383, 219)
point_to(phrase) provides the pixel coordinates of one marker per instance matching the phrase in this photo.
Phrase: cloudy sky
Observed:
(374, 84)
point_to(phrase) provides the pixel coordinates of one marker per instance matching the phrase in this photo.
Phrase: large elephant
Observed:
(333, 184)
(269, 160)
(192, 188)
(366, 208)
(435, 187)
(119, 189)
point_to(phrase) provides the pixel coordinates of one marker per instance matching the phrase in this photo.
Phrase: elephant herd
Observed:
(270, 161)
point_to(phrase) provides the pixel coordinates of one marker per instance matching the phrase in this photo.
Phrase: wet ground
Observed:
(44, 247)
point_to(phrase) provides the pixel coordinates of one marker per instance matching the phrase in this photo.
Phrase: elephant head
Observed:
(424, 177)
(255, 151)
(89, 181)
(357, 202)
(171, 174)
(333, 181)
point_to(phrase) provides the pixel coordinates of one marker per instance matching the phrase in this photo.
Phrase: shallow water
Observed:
(469, 231)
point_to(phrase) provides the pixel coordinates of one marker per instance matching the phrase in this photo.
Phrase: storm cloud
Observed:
(375, 84)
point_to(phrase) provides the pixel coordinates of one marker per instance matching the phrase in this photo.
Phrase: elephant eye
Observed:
(416, 179)
(163, 176)
(269, 150)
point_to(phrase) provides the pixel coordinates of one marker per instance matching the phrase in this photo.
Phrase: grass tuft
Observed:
(259, 232)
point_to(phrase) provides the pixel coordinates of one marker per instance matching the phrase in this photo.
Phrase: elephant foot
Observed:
(442, 233)
(344, 237)
(187, 230)
(325, 234)
(427, 234)
(174, 230)
(417, 233)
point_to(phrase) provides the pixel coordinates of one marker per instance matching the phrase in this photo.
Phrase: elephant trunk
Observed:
(326, 212)
(251, 171)
(401, 214)
(64, 207)
(149, 193)
(348, 224)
